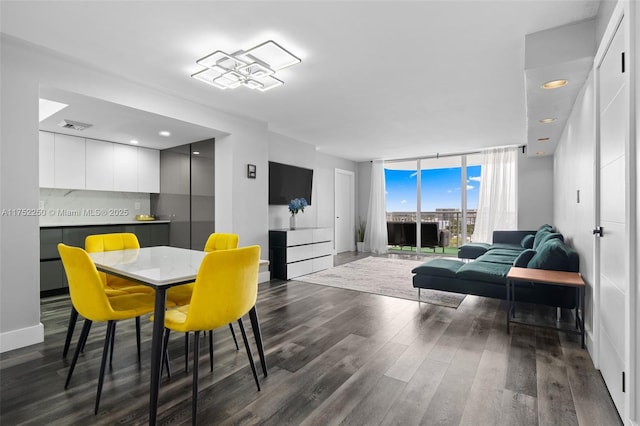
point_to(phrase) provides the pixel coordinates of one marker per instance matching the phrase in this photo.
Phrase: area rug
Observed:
(384, 276)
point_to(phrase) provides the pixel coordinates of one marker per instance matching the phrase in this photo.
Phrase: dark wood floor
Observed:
(335, 357)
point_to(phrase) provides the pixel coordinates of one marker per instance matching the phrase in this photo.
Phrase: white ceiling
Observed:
(378, 79)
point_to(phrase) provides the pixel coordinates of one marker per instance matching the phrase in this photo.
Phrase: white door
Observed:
(345, 211)
(612, 246)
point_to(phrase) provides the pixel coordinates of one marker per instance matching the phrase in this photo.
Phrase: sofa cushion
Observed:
(484, 271)
(542, 236)
(552, 255)
(527, 241)
(523, 258)
(439, 267)
(472, 250)
(507, 246)
(499, 256)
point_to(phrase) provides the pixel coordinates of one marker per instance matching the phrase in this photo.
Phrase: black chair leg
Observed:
(233, 333)
(138, 338)
(186, 352)
(113, 343)
(257, 333)
(211, 349)
(165, 351)
(194, 397)
(108, 341)
(249, 355)
(83, 337)
(73, 318)
(85, 340)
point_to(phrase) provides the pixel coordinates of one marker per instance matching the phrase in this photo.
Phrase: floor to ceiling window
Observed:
(442, 198)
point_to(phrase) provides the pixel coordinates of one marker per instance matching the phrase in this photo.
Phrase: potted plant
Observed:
(296, 205)
(362, 227)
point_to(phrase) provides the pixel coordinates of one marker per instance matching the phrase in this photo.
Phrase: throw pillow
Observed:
(551, 255)
(527, 241)
(522, 261)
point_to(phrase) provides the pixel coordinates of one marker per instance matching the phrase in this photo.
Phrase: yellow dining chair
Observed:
(90, 300)
(181, 295)
(113, 286)
(226, 288)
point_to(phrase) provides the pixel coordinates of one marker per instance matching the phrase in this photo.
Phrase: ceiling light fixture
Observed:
(540, 153)
(543, 139)
(196, 152)
(164, 133)
(547, 120)
(133, 141)
(253, 68)
(554, 84)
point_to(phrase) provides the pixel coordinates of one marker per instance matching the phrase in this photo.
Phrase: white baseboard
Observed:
(15, 339)
(264, 276)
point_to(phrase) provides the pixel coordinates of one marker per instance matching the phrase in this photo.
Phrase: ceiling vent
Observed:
(74, 125)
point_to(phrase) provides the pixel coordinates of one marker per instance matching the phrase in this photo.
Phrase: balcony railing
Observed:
(449, 220)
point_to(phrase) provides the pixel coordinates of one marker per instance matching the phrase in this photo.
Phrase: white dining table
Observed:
(161, 268)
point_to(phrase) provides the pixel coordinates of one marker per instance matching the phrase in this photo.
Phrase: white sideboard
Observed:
(300, 251)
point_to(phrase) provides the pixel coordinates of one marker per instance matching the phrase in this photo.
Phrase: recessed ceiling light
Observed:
(554, 84)
(133, 141)
(547, 120)
(540, 153)
(164, 133)
(543, 139)
(196, 152)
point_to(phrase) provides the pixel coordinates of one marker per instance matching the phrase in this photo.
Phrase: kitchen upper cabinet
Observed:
(47, 160)
(125, 166)
(69, 162)
(100, 162)
(148, 170)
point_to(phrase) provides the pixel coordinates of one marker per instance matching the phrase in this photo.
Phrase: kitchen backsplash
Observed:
(70, 207)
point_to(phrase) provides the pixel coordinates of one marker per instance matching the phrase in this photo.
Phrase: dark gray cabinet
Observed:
(52, 276)
(186, 195)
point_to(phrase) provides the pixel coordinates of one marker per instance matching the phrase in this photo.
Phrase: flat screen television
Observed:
(287, 182)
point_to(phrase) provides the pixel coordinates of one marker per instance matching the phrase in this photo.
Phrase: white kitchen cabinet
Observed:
(125, 168)
(148, 170)
(69, 162)
(46, 160)
(100, 165)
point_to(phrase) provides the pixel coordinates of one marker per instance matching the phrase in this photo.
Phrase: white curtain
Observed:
(375, 235)
(497, 204)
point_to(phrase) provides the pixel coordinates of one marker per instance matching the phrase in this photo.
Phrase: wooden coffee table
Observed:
(542, 276)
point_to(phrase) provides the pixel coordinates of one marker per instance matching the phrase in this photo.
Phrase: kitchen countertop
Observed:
(129, 222)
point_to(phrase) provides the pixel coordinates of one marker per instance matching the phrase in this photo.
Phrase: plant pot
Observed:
(360, 246)
(292, 221)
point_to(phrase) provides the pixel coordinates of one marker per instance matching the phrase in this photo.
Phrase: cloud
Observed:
(470, 187)
(474, 178)
(403, 202)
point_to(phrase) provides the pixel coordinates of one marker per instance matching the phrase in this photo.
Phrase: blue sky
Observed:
(440, 189)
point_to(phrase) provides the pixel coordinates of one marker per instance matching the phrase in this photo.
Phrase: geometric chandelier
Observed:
(253, 68)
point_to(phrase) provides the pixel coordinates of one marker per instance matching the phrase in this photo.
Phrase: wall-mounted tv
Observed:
(287, 182)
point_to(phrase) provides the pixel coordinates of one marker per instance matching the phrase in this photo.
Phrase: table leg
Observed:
(508, 305)
(156, 353)
(255, 325)
(582, 314)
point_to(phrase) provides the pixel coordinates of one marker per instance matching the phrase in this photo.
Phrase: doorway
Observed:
(345, 202)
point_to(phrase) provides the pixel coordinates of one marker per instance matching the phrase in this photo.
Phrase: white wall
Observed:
(535, 191)
(574, 171)
(241, 203)
(320, 213)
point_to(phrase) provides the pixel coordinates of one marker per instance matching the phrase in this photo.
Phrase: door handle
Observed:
(599, 231)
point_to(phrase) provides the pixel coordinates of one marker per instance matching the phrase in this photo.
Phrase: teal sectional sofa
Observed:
(486, 275)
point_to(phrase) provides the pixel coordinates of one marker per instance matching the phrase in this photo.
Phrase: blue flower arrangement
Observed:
(296, 205)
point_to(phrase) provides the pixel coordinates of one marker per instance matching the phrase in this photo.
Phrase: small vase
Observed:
(292, 221)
